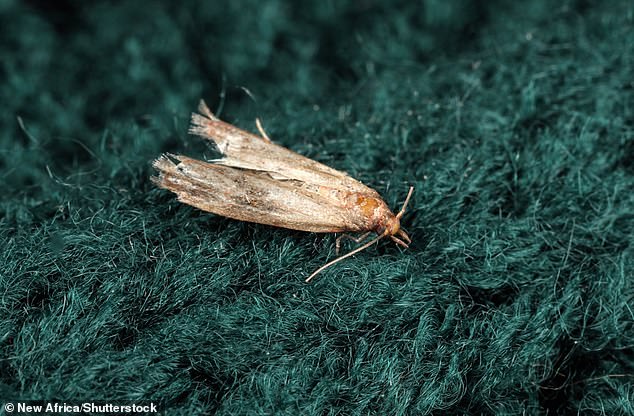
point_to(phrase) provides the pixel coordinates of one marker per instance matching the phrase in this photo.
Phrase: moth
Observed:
(262, 182)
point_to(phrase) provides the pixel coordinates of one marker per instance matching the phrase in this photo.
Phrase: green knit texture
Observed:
(514, 121)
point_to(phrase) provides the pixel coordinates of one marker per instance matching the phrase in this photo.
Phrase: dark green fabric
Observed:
(513, 120)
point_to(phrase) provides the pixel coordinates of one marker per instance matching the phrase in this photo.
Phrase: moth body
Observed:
(262, 182)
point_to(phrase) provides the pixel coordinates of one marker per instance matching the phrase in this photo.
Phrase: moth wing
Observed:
(244, 150)
(256, 197)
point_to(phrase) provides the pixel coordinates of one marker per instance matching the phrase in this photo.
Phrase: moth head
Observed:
(395, 232)
(393, 225)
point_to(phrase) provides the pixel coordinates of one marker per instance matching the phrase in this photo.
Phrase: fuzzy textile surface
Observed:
(514, 121)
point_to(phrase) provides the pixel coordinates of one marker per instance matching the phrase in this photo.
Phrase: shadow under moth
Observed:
(262, 182)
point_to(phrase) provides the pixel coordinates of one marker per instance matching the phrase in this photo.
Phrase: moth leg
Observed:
(355, 239)
(399, 241)
(261, 130)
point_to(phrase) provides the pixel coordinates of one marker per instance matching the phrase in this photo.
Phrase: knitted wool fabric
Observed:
(514, 122)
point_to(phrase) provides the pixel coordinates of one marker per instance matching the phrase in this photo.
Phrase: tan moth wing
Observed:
(252, 195)
(259, 181)
(247, 151)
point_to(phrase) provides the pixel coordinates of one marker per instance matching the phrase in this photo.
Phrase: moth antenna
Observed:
(261, 130)
(345, 256)
(204, 110)
(402, 211)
